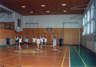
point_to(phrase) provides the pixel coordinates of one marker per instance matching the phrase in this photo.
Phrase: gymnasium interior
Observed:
(72, 20)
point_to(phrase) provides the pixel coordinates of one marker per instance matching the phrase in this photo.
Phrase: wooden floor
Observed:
(68, 56)
(32, 57)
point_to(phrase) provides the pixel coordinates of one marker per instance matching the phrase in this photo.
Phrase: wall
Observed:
(70, 23)
(52, 21)
(8, 18)
(13, 17)
(5, 33)
(89, 27)
(71, 35)
(36, 25)
(5, 17)
(17, 16)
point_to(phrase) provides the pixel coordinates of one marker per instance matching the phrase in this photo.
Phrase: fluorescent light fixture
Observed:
(48, 11)
(43, 5)
(31, 12)
(23, 6)
(63, 4)
(64, 10)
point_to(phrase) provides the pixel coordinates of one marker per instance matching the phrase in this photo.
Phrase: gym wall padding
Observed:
(71, 35)
(4, 33)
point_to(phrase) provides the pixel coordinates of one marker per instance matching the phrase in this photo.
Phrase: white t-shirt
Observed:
(20, 40)
(41, 40)
(45, 40)
(33, 40)
(54, 41)
(17, 38)
(38, 41)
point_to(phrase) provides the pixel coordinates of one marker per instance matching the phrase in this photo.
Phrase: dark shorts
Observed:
(43, 43)
(26, 42)
(16, 41)
(8, 43)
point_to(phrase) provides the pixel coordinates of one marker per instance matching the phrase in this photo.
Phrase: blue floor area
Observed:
(82, 57)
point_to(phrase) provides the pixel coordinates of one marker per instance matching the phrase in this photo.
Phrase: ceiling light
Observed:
(63, 4)
(48, 11)
(43, 5)
(31, 12)
(65, 11)
(23, 6)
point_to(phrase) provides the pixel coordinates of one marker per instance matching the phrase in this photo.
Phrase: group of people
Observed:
(18, 41)
(54, 41)
(38, 41)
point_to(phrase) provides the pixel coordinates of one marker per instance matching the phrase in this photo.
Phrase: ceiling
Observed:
(49, 7)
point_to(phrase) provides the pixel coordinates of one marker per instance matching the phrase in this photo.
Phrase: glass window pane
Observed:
(92, 26)
(88, 15)
(92, 12)
(88, 28)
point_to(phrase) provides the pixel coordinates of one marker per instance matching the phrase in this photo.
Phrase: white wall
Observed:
(17, 16)
(43, 21)
(53, 21)
(4, 17)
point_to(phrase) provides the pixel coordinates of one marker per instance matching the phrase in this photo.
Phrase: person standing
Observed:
(20, 42)
(16, 41)
(38, 42)
(8, 41)
(34, 41)
(54, 42)
(61, 42)
(26, 40)
(45, 41)
(41, 42)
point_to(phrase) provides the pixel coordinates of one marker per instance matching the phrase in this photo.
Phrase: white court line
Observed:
(69, 58)
(65, 52)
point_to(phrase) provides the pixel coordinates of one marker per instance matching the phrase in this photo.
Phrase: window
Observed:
(89, 25)
(88, 28)
(85, 18)
(92, 11)
(88, 15)
(92, 26)
(83, 21)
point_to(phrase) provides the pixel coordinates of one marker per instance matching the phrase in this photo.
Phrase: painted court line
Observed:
(85, 65)
(65, 52)
(69, 59)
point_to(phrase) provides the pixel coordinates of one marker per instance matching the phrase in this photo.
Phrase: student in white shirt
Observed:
(26, 41)
(54, 42)
(17, 41)
(34, 41)
(38, 42)
(45, 41)
(41, 42)
(20, 41)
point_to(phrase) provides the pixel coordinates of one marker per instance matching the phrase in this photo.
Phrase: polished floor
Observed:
(82, 57)
(68, 56)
